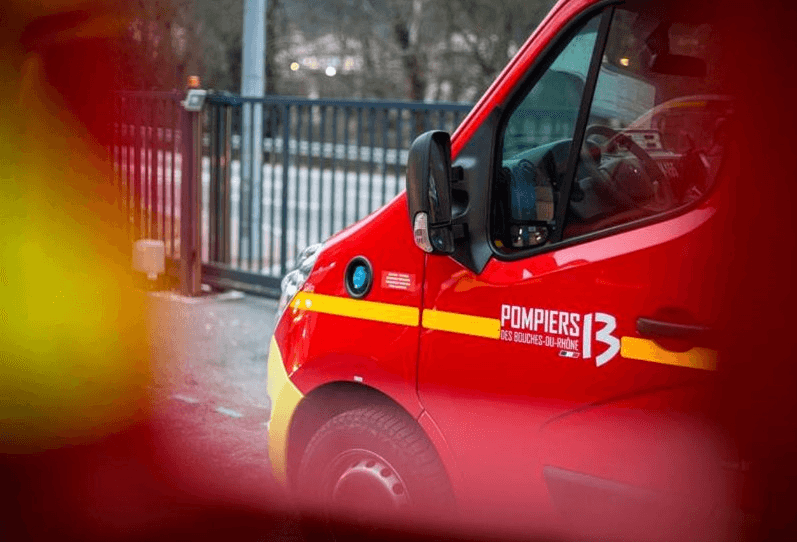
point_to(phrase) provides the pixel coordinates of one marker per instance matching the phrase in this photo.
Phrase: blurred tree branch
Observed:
(412, 49)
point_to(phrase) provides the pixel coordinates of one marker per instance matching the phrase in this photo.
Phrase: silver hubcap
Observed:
(368, 482)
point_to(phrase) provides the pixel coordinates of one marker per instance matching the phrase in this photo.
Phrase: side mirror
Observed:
(429, 192)
(686, 66)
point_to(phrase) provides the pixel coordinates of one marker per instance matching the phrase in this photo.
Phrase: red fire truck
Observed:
(528, 336)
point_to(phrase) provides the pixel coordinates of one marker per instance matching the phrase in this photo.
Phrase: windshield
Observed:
(664, 75)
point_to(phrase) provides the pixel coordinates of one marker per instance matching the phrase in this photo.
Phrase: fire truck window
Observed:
(656, 131)
(536, 143)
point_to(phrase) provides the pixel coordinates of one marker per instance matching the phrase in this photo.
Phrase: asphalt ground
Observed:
(213, 350)
(210, 363)
(195, 468)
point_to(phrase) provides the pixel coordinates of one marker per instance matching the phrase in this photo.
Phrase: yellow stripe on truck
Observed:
(285, 398)
(356, 308)
(647, 350)
(462, 323)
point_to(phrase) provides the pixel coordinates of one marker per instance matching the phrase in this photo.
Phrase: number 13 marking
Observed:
(604, 335)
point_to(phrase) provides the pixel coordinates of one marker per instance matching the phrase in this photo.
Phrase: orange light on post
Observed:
(193, 81)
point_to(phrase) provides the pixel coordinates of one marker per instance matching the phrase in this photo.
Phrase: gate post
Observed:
(191, 194)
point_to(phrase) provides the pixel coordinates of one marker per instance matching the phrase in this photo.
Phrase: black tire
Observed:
(371, 469)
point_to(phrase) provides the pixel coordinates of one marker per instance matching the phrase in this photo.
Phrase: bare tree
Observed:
(389, 34)
(220, 25)
(168, 40)
(425, 49)
(160, 46)
(412, 49)
(481, 37)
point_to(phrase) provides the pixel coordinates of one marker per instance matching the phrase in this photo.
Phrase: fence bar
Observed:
(384, 154)
(215, 135)
(175, 116)
(120, 118)
(332, 186)
(372, 142)
(399, 141)
(297, 185)
(227, 183)
(190, 262)
(321, 180)
(152, 176)
(245, 219)
(213, 213)
(309, 174)
(345, 216)
(296, 182)
(286, 132)
(273, 160)
(157, 193)
(245, 174)
(261, 193)
(216, 183)
(219, 174)
(145, 171)
(357, 212)
(137, 170)
(161, 165)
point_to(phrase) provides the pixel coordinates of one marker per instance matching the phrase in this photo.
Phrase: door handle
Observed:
(648, 327)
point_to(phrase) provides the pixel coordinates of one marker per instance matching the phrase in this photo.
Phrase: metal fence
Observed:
(147, 148)
(272, 175)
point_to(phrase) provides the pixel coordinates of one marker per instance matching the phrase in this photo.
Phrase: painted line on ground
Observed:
(229, 412)
(231, 295)
(221, 410)
(185, 399)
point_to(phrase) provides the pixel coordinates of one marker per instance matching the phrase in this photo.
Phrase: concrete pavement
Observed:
(213, 349)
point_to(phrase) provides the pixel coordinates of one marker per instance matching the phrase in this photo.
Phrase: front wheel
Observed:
(372, 467)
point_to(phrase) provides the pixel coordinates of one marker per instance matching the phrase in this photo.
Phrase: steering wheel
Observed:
(663, 197)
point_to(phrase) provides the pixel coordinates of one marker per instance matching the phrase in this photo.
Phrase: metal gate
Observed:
(271, 175)
(154, 143)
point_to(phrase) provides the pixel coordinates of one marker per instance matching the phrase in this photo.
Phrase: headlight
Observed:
(293, 281)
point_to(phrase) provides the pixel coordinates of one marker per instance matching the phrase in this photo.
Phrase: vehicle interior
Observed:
(653, 142)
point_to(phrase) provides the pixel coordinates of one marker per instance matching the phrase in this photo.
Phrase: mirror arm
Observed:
(457, 174)
(459, 222)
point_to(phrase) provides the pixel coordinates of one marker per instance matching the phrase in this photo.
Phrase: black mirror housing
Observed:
(686, 66)
(429, 192)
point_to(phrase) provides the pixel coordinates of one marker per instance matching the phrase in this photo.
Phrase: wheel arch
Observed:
(324, 403)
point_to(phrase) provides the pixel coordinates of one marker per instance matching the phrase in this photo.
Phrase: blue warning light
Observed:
(359, 277)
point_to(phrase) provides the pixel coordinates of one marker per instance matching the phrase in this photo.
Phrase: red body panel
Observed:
(382, 355)
(504, 386)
